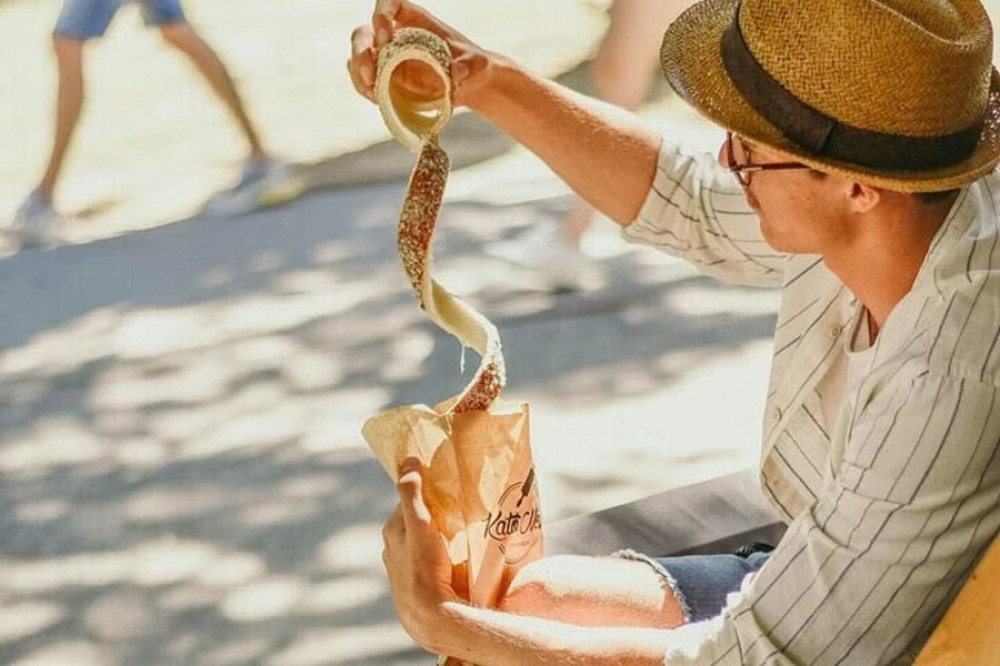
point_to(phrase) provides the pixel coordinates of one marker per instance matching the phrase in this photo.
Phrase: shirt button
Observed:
(775, 414)
(835, 331)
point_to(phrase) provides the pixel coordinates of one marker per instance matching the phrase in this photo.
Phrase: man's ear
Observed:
(863, 198)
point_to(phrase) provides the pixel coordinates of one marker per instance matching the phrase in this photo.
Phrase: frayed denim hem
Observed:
(665, 578)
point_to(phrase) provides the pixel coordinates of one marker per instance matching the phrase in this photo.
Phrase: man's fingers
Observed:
(362, 89)
(362, 39)
(389, 13)
(394, 528)
(416, 516)
(384, 19)
(362, 62)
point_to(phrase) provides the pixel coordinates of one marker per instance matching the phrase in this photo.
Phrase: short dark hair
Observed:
(926, 198)
(935, 197)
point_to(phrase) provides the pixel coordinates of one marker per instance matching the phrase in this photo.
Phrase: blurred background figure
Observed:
(263, 180)
(621, 73)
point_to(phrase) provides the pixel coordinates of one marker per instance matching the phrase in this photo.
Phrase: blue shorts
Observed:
(701, 583)
(86, 19)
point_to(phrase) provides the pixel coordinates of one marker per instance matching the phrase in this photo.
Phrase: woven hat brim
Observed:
(691, 59)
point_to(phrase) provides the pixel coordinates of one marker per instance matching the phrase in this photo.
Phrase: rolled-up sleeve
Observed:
(697, 211)
(865, 574)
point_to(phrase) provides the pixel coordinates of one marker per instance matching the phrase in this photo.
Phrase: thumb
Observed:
(460, 70)
(467, 66)
(416, 515)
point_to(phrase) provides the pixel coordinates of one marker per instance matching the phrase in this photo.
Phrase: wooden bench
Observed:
(970, 631)
(716, 516)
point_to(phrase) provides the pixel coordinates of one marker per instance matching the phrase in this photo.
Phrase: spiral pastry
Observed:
(416, 121)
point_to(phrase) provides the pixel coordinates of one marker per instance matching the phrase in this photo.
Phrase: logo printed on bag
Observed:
(517, 523)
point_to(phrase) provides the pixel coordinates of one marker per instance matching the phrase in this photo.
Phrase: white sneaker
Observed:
(34, 220)
(549, 254)
(262, 183)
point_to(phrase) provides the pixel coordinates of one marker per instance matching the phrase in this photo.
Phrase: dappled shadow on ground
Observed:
(246, 557)
(181, 476)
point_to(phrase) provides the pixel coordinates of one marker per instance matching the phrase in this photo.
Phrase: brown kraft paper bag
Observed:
(478, 484)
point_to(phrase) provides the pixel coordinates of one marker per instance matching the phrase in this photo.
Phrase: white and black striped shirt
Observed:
(891, 506)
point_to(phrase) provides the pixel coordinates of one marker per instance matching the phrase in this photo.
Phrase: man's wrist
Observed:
(443, 632)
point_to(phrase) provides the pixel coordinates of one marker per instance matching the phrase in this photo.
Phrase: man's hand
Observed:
(429, 609)
(417, 561)
(471, 65)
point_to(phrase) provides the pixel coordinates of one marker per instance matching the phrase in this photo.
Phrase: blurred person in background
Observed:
(620, 73)
(262, 178)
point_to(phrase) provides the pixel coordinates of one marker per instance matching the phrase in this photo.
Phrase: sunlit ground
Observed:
(182, 478)
(154, 144)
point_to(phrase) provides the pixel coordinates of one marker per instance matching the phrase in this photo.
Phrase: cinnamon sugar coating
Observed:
(417, 224)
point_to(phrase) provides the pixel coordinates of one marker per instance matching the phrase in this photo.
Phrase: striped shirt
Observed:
(891, 505)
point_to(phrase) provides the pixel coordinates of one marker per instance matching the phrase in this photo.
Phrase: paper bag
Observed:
(479, 484)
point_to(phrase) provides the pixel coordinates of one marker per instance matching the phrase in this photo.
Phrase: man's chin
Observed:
(773, 240)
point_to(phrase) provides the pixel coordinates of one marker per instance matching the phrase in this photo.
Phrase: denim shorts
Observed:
(86, 19)
(701, 583)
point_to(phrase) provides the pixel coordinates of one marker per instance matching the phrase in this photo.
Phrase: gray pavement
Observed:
(182, 479)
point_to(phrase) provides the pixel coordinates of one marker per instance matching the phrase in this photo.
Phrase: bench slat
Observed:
(970, 631)
(717, 516)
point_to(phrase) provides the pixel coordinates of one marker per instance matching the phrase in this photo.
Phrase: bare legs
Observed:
(593, 592)
(185, 39)
(69, 62)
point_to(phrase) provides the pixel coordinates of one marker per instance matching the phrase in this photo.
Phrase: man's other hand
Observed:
(471, 65)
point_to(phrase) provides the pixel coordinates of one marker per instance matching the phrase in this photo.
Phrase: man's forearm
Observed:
(603, 152)
(493, 638)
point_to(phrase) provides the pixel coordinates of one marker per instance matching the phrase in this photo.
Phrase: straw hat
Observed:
(896, 93)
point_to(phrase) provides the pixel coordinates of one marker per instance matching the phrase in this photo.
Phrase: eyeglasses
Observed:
(741, 161)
